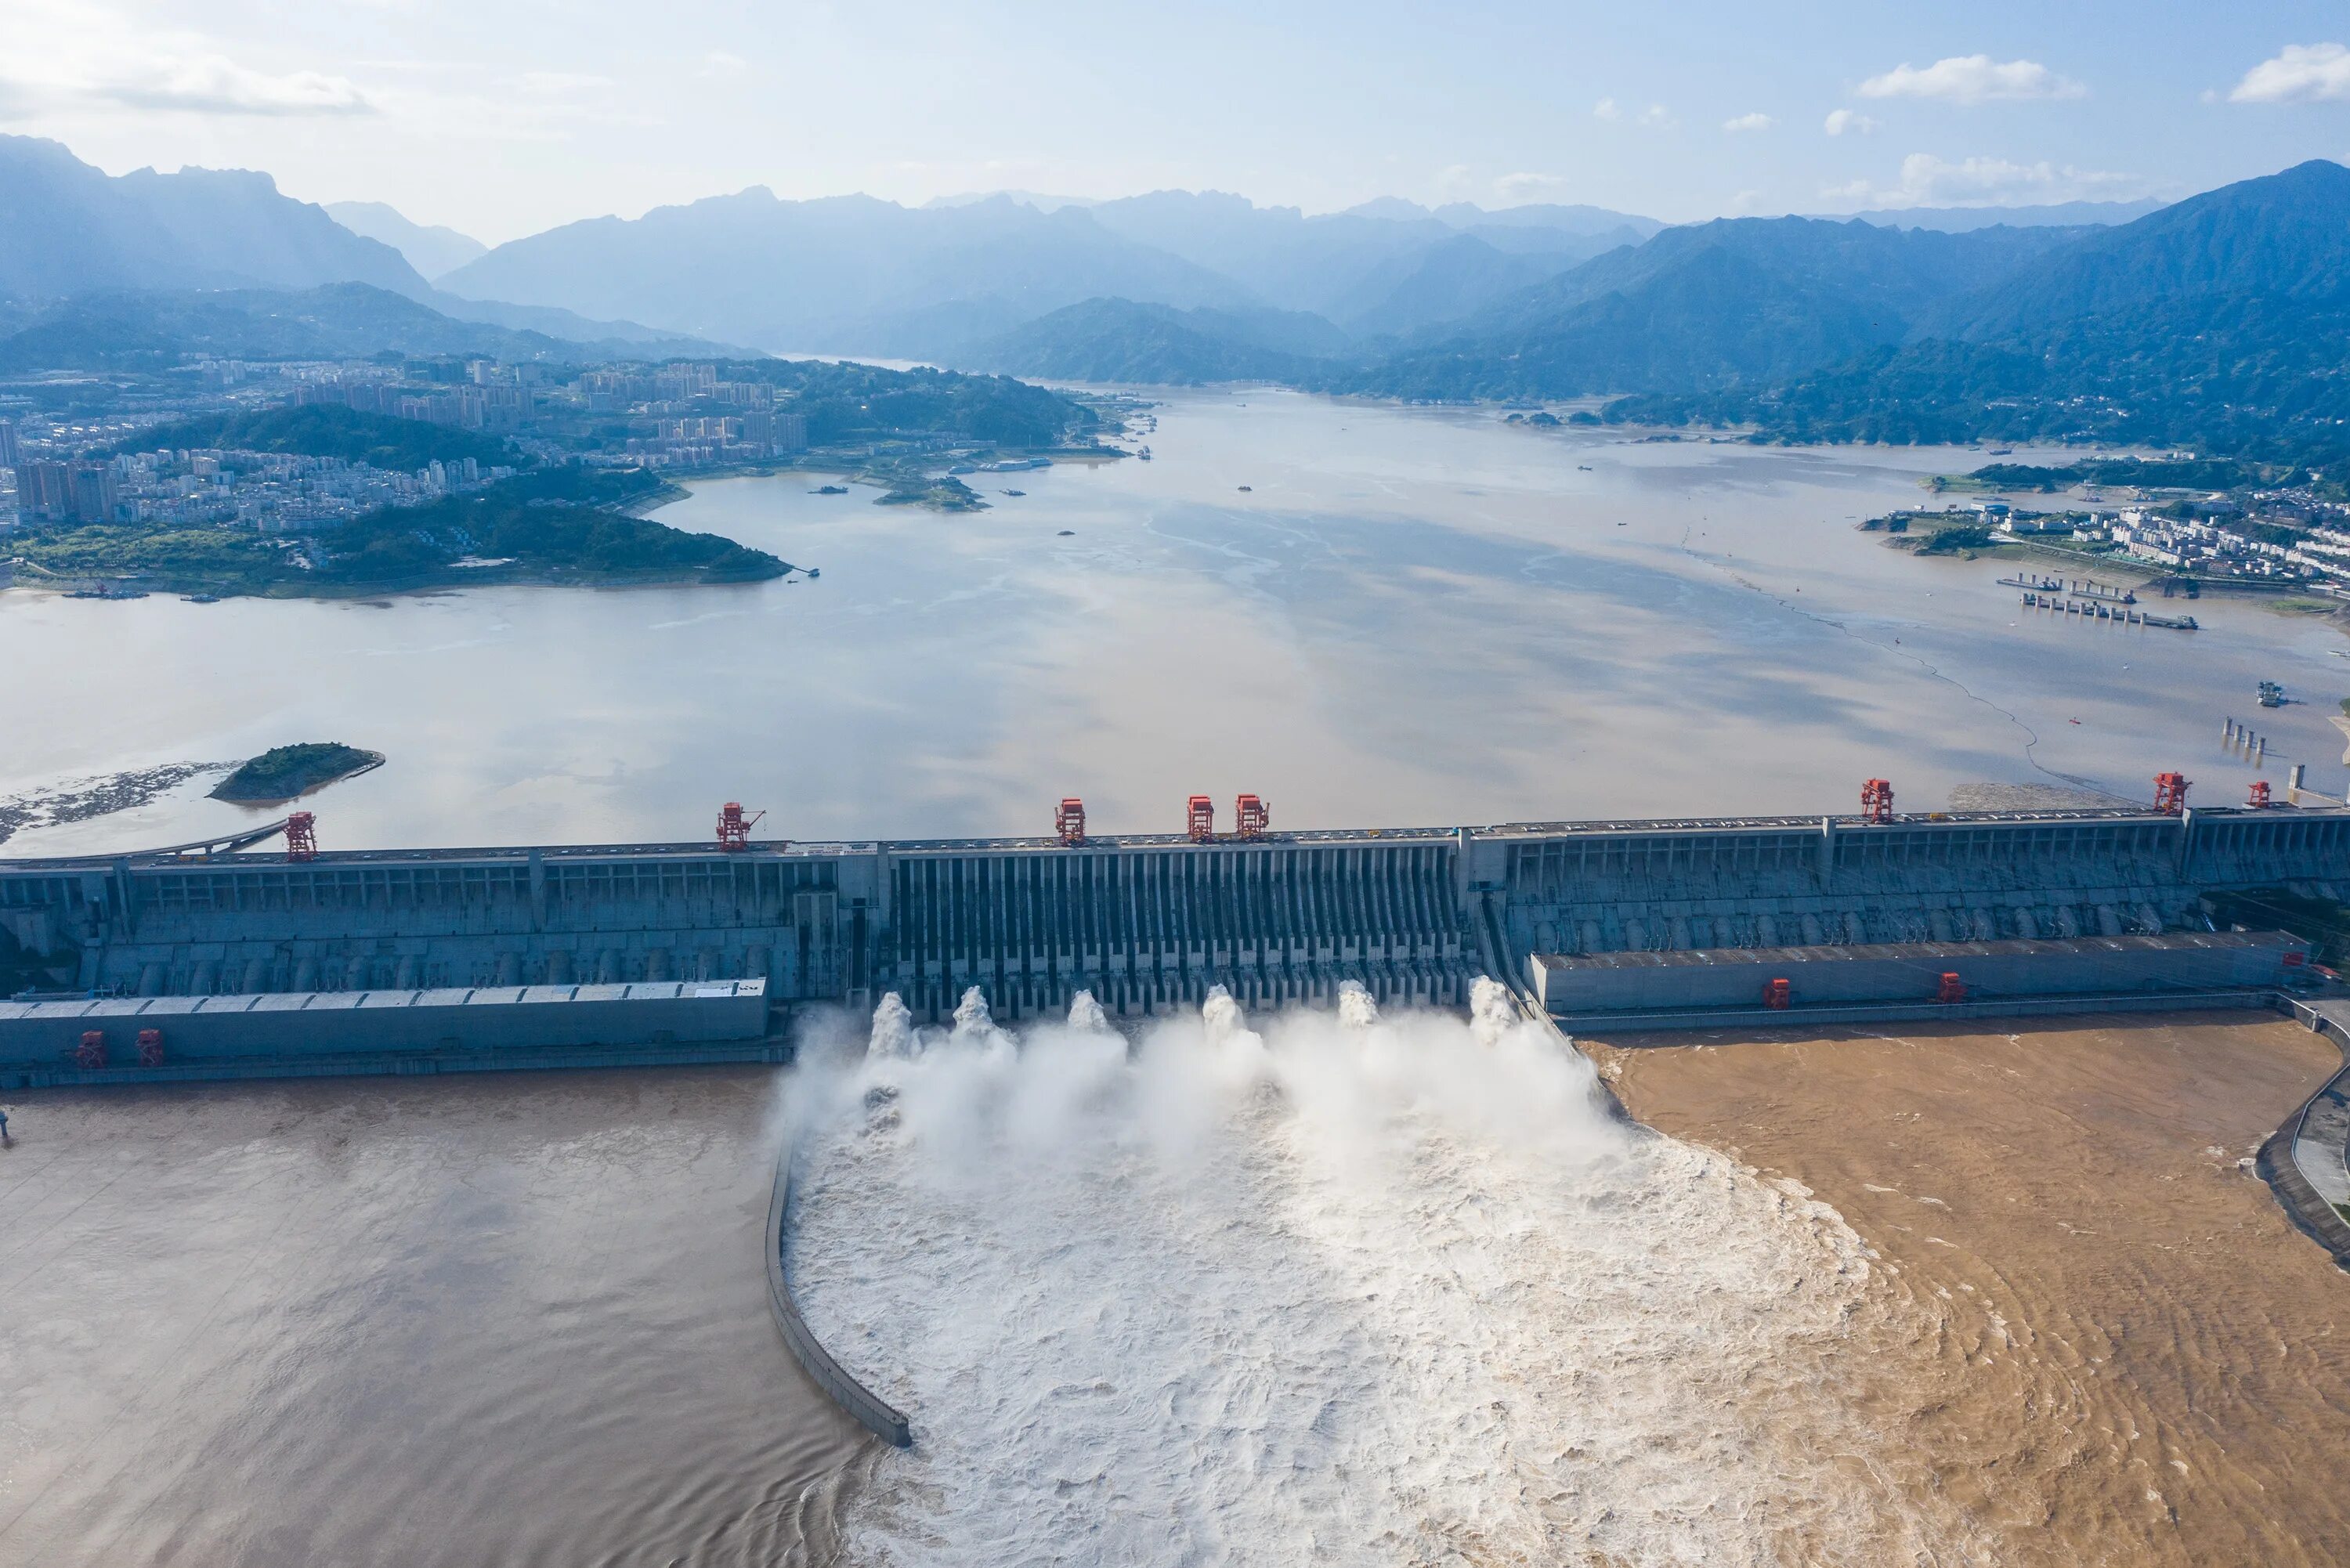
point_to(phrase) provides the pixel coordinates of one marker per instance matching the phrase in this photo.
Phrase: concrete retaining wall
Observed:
(2277, 1163)
(1826, 1015)
(1675, 981)
(871, 1411)
(200, 1033)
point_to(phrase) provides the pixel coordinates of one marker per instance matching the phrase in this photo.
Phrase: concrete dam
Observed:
(1147, 923)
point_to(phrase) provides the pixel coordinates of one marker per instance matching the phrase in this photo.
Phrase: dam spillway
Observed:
(1145, 922)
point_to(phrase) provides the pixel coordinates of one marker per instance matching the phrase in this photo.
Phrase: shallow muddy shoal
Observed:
(2113, 1347)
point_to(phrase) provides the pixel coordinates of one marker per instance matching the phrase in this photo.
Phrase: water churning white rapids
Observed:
(1343, 1288)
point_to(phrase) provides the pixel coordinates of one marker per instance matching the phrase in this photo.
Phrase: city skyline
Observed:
(493, 121)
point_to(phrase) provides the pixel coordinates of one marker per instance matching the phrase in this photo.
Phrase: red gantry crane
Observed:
(734, 828)
(302, 836)
(2170, 794)
(1249, 817)
(1069, 820)
(1199, 817)
(1876, 801)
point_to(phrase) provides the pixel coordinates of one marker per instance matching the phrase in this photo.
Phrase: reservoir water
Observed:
(1409, 617)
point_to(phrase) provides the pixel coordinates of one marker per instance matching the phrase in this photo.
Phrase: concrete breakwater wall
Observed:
(869, 1411)
(1147, 923)
(2305, 1161)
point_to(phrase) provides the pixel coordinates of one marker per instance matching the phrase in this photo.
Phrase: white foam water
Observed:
(1351, 1289)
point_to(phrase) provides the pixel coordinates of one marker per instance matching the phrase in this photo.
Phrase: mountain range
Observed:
(854, 275)
(2221, 324)
(1389, 298)
(151, 329)
(68, 228)
(429, 249)
(1736, 300)
(2205, 322)
(114, 266)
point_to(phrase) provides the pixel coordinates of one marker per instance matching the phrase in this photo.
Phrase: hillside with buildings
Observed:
(333, 476)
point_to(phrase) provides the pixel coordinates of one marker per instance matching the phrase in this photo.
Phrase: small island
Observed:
(941, 492)
(283, 773)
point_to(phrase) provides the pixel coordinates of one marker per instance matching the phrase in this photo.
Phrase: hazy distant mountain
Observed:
(1277, 255)
(1343, 264)
(573, 327)
(2221, 324)
(1456, 277)
(68, 228)
(1738, 300)
(1125, 340)
(2056, 215)
(1042, 202)
(2285, 234)
(1593, 222)
(124, 330)
(432, 251)
(855, 275)
(827, 276)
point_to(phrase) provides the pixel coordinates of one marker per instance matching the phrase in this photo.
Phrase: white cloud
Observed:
(213, 83)
(62, 55)
(1851, 119)
(1605, 109)
(718, 63)
(2301, 73)
(554, 84)
(1749, 122)
(1930, 182)
(1973, 79)
(1520, 188)
(1656, 114)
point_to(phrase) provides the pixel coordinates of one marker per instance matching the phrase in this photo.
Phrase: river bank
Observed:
(2119, 1349)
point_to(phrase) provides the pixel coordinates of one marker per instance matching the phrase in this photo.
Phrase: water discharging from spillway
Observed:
(1336, 1287)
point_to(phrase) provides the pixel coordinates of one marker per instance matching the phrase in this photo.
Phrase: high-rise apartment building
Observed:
(94, 493)
(66, 492)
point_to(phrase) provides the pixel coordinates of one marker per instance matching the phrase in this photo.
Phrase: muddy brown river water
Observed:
(512, 1319)
(2094, 1334)
(521, 1319)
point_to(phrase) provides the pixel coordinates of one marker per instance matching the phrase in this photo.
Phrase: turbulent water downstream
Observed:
(1345, 1288)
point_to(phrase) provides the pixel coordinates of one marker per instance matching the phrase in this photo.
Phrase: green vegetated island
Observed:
(283, 773)
(560, 522)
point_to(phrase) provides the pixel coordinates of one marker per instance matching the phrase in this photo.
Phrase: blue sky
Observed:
(502, 116)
